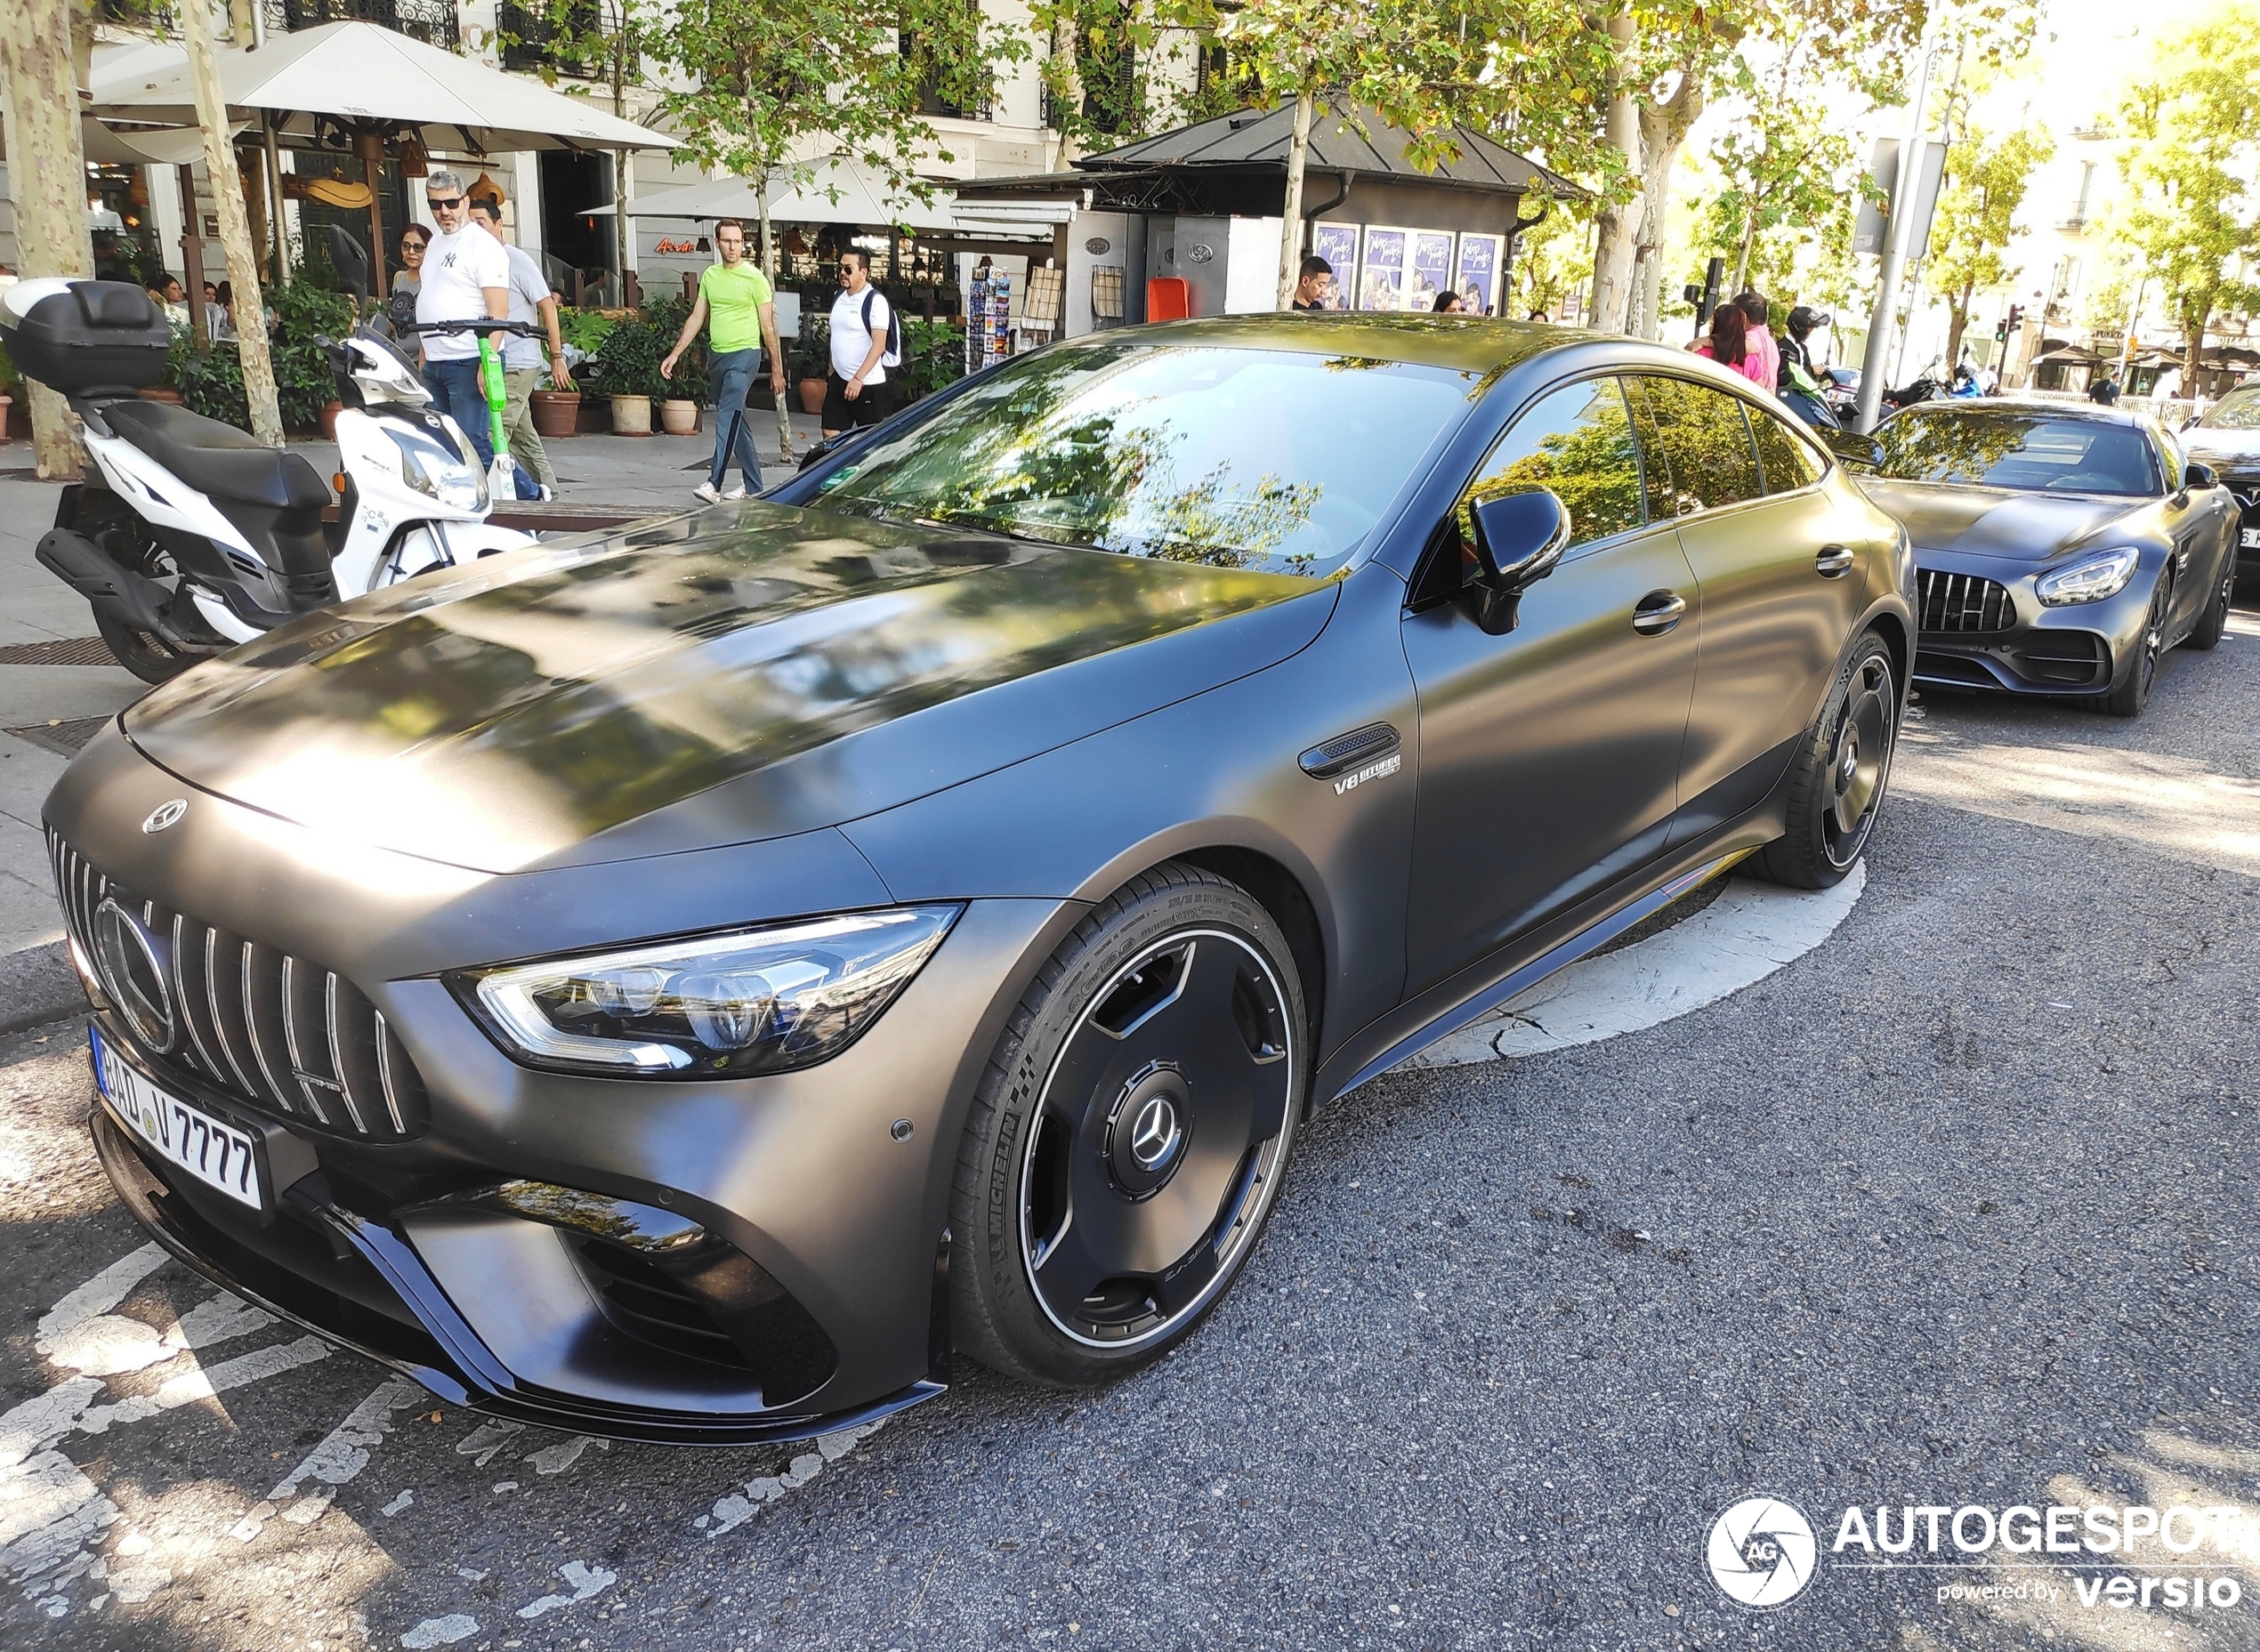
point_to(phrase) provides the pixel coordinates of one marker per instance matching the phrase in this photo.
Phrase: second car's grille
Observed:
(273, 1031)
(1963, 602)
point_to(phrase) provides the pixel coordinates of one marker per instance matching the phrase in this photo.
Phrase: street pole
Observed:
(1905, 188)
(47, 172)
(235, 228)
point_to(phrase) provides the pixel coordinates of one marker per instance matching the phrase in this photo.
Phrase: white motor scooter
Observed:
(195, 537)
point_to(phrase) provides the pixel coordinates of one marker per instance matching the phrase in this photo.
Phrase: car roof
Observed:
(2037, 406)
(1477, 344)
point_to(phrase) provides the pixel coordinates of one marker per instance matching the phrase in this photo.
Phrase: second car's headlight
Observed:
(751, 1000)
(2090, 579)
(427, 466)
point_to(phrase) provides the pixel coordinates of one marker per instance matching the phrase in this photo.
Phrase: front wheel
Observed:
(1131, 1135)
(1841, 774)
(2129, 699)
(144, 653)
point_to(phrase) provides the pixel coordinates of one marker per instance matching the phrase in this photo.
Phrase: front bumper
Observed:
(1983, 627)
(818, 1301)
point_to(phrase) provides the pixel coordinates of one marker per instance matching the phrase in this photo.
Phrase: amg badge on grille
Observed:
(165, 814)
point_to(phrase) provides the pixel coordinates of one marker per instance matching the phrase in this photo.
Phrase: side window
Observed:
(2169, 457)
(1704, 442)
(1577, 442)
(1789, 461)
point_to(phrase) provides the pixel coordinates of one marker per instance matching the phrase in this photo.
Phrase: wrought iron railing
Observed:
(529, 39)
(431, 21)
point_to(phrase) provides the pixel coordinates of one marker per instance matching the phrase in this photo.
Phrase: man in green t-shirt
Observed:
(736, 296)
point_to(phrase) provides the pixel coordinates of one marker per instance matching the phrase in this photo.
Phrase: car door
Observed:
(1549, 755)
(2196, 521)
(1779, 562)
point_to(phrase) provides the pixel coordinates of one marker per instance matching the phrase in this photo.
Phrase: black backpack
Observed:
(893, 355)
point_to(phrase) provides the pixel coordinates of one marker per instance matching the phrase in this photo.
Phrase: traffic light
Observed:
(2009, 323)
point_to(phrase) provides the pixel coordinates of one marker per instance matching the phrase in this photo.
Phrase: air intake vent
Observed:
(276, 1033)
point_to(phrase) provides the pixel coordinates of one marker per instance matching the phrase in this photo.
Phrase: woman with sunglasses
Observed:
(401, 308)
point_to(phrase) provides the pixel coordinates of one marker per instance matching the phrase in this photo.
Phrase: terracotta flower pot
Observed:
(631, 415)
(678, 418)
(556, 412)
(158, 392)
(812, 395)
(329, 420)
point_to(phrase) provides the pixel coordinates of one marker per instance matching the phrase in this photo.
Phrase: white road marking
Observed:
(558, 1458)
(342, 1454)
(440, 1632)
(586, 1581)
(80, 1334)
(485, 1440)
(1742, 938)
(192, 1386)
(398, 1504)
(735, 1509)
(219, 1320)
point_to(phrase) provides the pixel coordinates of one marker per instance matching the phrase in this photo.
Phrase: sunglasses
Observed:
(443, 203)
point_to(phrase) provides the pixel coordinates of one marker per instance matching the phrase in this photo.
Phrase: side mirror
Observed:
(1518, 537)
(2197, 475)
(1853, 451)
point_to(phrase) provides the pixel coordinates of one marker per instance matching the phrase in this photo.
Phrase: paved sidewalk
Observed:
(48, 709)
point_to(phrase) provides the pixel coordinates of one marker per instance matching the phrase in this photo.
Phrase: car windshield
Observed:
(1275, 460)
(2240, 411)
(2027, 451)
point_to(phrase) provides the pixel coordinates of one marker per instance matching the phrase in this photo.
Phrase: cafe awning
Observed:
(837, 191)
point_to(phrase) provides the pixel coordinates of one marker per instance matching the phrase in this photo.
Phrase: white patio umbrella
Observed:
(360, 75)
(834, 189)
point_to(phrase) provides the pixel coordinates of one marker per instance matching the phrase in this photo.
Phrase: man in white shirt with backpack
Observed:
(865, 342)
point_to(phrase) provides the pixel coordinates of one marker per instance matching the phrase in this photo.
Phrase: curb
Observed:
(37, 986)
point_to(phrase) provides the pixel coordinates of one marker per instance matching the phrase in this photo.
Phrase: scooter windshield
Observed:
(381, 370)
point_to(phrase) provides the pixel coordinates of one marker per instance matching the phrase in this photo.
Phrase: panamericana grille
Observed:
(1963, 602)
(274, 1032)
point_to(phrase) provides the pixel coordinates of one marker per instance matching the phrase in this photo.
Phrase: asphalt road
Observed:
(1956, 1209)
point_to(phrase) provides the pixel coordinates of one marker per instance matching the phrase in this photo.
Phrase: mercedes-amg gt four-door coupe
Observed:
(693, 982)
(2060, 549)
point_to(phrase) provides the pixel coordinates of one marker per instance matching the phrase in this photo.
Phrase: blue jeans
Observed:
(729, 376)
(455, 391)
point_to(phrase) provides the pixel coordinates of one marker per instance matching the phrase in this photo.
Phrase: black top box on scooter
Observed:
(85, 337)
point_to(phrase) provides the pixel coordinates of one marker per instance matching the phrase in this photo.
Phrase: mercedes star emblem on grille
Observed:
(165, 814)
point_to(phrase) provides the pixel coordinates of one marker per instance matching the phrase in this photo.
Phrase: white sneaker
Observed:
(707, 492)
(733, 493)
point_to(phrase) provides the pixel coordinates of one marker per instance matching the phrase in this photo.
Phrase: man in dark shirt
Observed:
(2104, 389)
(1316, 285)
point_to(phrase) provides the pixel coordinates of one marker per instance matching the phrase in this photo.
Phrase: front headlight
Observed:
(751, 1000)
(2090, 579)
(432, 470)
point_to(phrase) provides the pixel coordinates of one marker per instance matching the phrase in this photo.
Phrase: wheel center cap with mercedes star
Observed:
(699, 983)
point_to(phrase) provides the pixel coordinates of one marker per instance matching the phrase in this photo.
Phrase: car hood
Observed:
(1994, 521)
(2203, 444)
(704, 680)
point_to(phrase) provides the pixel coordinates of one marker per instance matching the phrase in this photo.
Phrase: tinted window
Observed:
(1280, 460)
(2169, 455)
(2027, 451)
(1705, 443)
(1577, 442)
(1788, 462)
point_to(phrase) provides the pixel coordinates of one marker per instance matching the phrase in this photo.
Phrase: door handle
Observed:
(1833, 561)
(1658, 612)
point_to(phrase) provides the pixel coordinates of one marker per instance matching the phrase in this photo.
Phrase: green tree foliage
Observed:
(1977, 209)
(2189, 210)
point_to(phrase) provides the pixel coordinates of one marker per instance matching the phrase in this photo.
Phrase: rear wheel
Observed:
(145, 654)
(2214, 621)
(1131, 1135)
(1841, 774)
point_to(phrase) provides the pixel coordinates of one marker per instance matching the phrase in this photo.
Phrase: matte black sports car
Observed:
(2061, 549)
(691, 982)
(2226, 439)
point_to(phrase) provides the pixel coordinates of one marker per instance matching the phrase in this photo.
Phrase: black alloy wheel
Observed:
(1133, 1133)
(2129, 699)
(1842, 774)
(2213, 623)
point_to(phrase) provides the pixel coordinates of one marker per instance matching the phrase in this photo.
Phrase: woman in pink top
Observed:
(1727, 343)
(1762, 357)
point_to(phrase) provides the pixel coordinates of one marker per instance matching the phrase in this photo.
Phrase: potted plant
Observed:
(9, 378)
(557, 413)
(812, 361)
(933, 355)
(627, 366)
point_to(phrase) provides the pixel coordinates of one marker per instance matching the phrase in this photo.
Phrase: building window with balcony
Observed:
(431, 21)
(546, 37)
(948, 74)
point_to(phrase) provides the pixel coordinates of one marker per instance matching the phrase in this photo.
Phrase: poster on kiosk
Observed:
(1478, 279)
(1381, 278)
(1431, 271)
(1338, 244)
